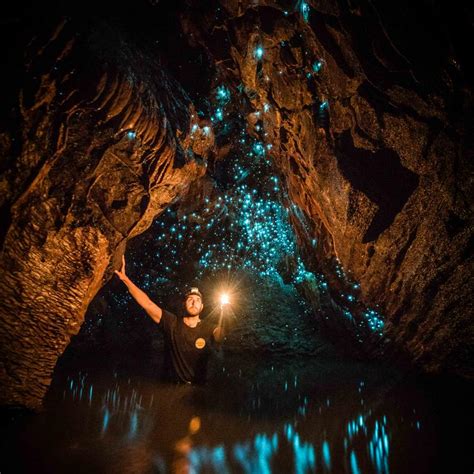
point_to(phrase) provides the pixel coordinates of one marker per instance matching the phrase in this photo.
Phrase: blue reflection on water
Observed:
(304, 453)
(354, 465)
(133, 425)
(326, 455)
(379, 447)
(105, 420)
(255, 457)
(278, 420)
(203, 458)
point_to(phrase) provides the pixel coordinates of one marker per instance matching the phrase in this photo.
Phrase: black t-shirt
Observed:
(187, 349)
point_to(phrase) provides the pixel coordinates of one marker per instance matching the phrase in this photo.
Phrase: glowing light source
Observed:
(317, 66)
(304, 10)
(222, 94)
(258, 53)
(224, 299)
(258, 149)
(219, 115)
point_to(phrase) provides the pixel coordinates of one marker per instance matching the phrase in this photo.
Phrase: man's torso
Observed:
(188, 348)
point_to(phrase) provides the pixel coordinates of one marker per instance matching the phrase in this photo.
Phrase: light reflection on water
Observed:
(303, 416)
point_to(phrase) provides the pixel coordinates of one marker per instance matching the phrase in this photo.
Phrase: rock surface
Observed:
(371, 135)
(104, 149)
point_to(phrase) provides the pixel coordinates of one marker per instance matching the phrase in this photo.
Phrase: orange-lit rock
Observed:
(382, 173)
(104, 149)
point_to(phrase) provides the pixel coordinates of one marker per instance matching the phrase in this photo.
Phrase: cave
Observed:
(311, 160)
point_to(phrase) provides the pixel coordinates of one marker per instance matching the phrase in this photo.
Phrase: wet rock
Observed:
(373, 146)
(105, 147)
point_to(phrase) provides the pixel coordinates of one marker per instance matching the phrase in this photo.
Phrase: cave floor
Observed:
(255, 415)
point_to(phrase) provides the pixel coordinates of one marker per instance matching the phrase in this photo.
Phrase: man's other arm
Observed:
(219, 334)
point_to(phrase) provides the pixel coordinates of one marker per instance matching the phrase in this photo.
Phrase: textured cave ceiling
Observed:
(322, 146)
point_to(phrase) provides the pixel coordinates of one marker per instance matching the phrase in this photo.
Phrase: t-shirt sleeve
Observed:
(167, 321)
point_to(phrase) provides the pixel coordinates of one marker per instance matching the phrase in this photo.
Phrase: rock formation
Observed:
(370, 133)
(102, 147)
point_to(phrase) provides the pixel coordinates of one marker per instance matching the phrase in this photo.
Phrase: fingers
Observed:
(120, 275)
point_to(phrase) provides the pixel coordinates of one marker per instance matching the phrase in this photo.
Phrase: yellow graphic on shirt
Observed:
(200, 343)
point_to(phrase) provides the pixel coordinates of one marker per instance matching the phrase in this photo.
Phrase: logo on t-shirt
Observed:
(200, 343)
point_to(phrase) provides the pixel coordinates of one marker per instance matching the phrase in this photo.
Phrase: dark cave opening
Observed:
(381, 177)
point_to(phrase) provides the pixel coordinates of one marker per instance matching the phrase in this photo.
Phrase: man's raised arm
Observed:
(152, 309)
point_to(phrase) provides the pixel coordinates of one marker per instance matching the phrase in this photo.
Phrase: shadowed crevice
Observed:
(381, 177)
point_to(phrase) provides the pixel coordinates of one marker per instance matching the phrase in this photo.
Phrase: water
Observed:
(254, 416)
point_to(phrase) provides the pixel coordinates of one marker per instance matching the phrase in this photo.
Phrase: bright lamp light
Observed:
(224, 299)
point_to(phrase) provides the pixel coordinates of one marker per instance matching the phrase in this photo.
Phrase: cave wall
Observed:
(100, 146)
(368, 110)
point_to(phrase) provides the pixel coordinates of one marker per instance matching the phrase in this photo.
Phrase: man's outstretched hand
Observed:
(121, 274)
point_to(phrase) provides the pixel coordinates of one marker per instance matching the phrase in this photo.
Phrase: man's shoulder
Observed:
(168, 314)
(167, 318)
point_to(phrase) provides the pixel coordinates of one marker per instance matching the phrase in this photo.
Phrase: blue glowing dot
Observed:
(324, 105)
(219, 115)
(259, 149)
(258, 53)
(206, 130)
(326, 455)
(222, 94)
(131, 135)
(304, 9)
(317, 66)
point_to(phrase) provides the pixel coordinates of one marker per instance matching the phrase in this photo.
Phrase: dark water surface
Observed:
(254, 416)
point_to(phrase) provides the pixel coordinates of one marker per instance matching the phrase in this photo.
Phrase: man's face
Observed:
(193, 305)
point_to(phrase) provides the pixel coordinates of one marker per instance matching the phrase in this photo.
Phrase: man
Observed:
(188, 340)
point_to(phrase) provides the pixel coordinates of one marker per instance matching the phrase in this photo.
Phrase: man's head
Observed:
(193, 302)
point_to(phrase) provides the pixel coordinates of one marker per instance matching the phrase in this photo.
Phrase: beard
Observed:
(193, 311)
